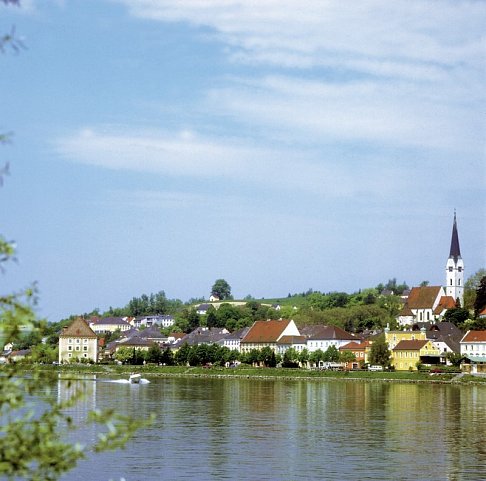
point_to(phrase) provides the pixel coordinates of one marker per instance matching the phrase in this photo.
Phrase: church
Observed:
(430, 303)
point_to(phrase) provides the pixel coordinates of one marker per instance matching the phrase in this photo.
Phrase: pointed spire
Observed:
(455, 249)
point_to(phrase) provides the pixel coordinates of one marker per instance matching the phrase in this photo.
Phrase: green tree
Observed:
(267, 357)
(480, 301)
(221, 289)
(316, 356)
(347, 356)
(182, 354)
(304, 356)
(457, 315)
(380, 353)
(470, 287)
(290, 358)
(154, 354)
(331, 354)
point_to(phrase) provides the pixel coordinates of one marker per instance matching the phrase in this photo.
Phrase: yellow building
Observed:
(394, 337)
(408, 353)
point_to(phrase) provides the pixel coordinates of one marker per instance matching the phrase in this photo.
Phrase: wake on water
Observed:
(126, 381)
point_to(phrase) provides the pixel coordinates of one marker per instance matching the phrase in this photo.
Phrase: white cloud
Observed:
(392, 38)
(193, 156)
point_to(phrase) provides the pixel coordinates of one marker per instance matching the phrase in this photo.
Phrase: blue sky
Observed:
(281, 145)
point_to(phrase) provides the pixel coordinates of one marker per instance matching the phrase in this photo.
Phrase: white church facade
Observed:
(430, 303)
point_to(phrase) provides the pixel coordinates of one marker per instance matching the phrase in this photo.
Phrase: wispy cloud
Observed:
(194, 156)
(372, 35)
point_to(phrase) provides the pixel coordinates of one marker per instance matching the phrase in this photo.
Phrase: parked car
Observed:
(375, 368)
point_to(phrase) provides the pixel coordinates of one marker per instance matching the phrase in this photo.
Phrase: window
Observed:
(451, 282)
(459, 269)
(77, 348)
(450, 269)
(78, 341)
(70, 355)
(70, 341)
(70, 348)
(458, 282)
(85, 341)
(85, 348)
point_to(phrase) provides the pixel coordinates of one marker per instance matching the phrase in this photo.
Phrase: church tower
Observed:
(455, 268)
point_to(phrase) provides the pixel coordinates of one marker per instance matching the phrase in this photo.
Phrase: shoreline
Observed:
(267, 374)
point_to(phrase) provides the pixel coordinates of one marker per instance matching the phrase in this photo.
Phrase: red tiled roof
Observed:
(410, 345)
(446, 302)
(78, 328)
(423, 297)
(265, 331)
(474, 336)
(353, 346)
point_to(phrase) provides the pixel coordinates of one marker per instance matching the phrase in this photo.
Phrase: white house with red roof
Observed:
(268, 334)
(473, 346)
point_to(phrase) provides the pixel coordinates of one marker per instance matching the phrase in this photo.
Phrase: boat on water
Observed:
(135, 378)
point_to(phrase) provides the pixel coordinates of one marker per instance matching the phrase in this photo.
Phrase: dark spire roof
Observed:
(455, 249)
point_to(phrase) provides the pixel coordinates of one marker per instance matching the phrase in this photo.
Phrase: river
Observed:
(252, 429)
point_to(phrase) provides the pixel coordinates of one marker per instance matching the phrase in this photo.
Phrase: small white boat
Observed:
(135, 378)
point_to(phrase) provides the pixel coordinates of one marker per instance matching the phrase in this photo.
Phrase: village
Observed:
(423, 335)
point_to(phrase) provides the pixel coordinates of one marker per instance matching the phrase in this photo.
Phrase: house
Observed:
(361, 352)
(16, 356)
(202, 309)
(408, 354)
(153, 334)
(395, 337)
(233, 341)
(109, 324)
(473, 348)
(214, 298)
(323, 337)
(446, 336)
(205, 335)
(134, 342)
(299, 343)
(165, 320)
(267, 334)
(78, 341)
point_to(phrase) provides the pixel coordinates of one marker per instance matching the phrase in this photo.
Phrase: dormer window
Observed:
(459, 269)
(450, 269)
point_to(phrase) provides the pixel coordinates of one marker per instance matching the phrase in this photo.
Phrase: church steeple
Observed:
(455, 267)
(455, 249)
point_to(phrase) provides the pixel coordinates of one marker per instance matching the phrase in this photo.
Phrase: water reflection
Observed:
(214, 429)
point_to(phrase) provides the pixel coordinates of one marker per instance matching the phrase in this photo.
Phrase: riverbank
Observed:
(262, 373)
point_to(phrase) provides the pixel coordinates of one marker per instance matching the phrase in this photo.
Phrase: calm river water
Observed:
(249, 429)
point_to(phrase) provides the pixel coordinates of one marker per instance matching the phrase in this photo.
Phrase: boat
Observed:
(135, 378)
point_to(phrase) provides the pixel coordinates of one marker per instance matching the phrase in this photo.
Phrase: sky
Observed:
(281, 145)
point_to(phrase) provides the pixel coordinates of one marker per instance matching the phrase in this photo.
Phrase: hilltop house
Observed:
(78, 341)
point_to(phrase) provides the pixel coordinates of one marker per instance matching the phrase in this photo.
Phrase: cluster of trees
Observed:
(214, 354)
